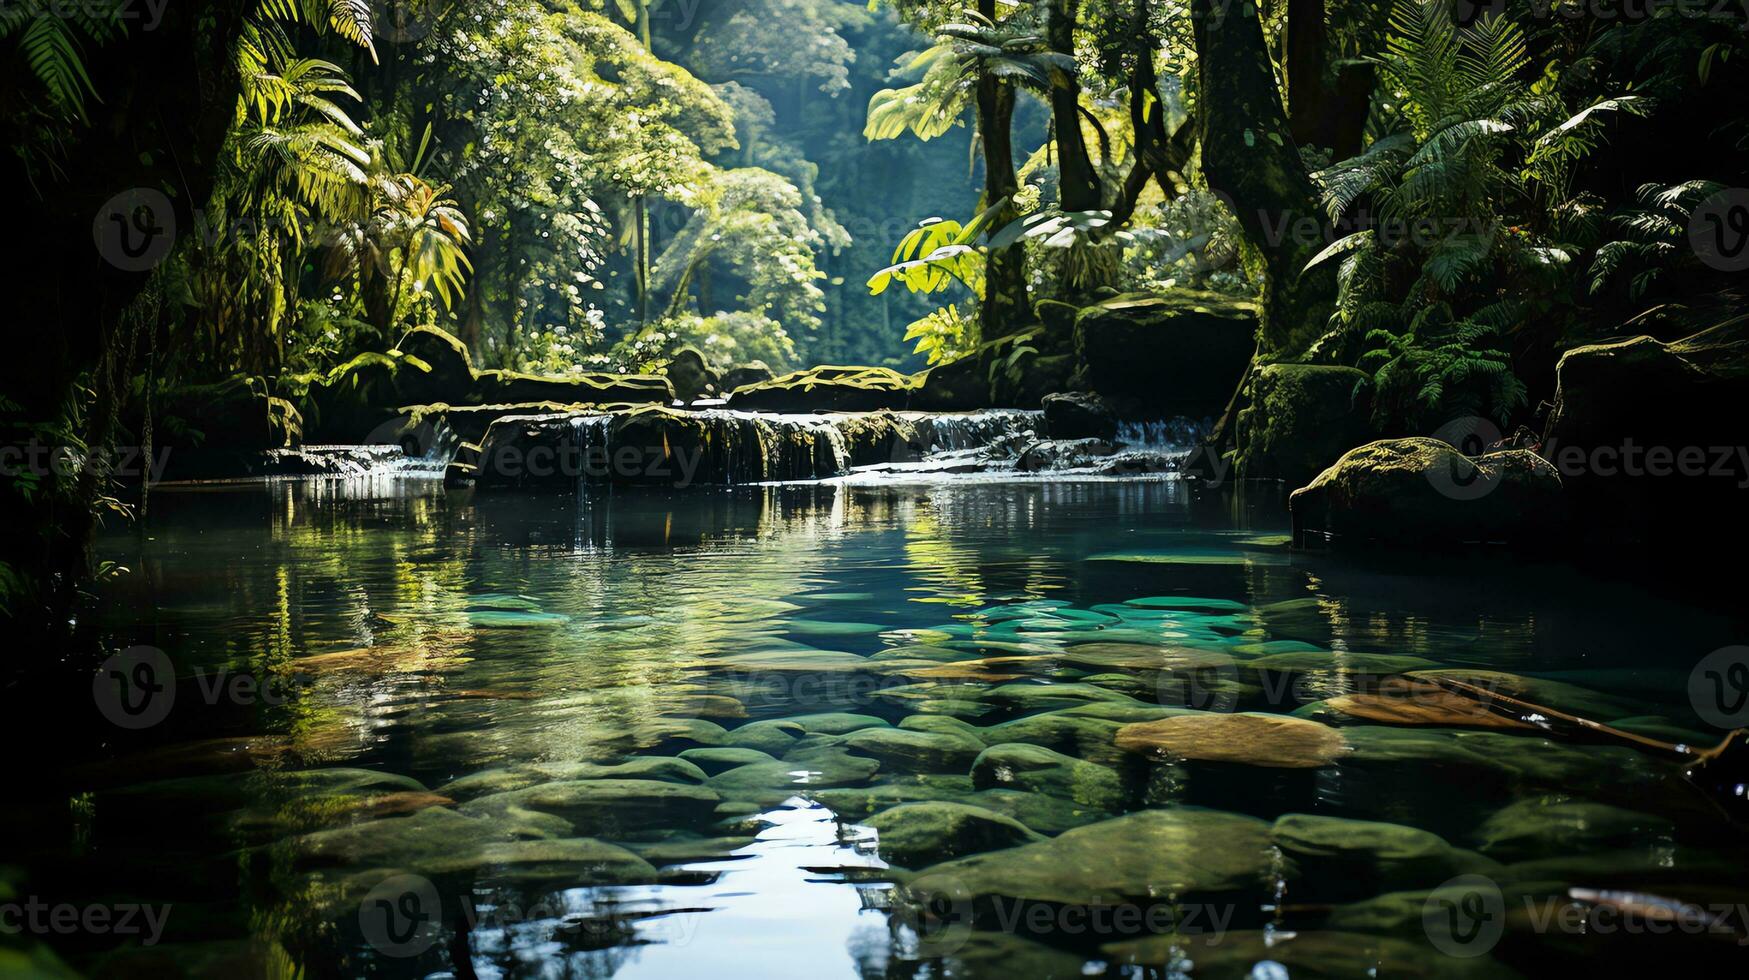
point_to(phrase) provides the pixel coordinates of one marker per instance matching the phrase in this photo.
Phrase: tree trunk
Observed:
(1323, 110)
(1004, 310)
(1078, 186)
(1249, 156)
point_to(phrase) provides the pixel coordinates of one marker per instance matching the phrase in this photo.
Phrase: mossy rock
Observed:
(1301, 419)
(1656, 400)
(1015, 371)
(353, 401)
(507, 779)
(608, 807)
(1034, 768)
(692, 375)
(1345, 859)
(751, 373)
(1422, 492)
(721, 759)
(1180, 353)
(1177, 854)
(451, 375)
(594, 388)
(1558, 824)
(826, 389)
(903, 750)
(914, 835)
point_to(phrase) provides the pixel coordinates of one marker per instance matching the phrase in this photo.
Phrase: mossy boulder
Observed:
(914, 835)
(1037, 769)
(592, 388)
(826, 389)
(751, 373)
(1182, 353)
(1015, 371)
(608, 807)
(1422, 492)
(1648, 435)
(450, 377)
(692, 376)
(1176, 854)
(1301, 419)
(1347, 859)
(903, 750)
(1078, 415)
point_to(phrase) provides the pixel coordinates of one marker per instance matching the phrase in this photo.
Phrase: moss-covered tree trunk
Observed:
(1077, 181)
(1249, 155)
(1004, 310)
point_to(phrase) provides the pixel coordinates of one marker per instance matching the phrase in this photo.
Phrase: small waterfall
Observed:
(953, 433)
(1167, 435)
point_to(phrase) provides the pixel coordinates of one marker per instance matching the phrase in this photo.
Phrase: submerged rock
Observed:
(1320, 953)
(1037, 769)
(1247, 738)
(1363, 857)
(1178, 854)
(917, 834)
(610, 807)
(1549, 824)
(1423, 492)
(914, 751)
(511, 778)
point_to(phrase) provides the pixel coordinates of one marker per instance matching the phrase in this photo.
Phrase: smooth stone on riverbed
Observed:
(1147, 857)
(1015, 765)
(715, 760)
(576, 861)
(511, 778)
(1551, 824)
(1247, 738)
(1370, 854)
(915, 751)
(918, 834)
(610, 806)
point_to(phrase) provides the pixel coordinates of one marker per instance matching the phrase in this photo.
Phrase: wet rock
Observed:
(590, 388)
(856, 803)
(1642, 396)
(1368, 664)
(1513, 759)
(1182, 353)
(999, 373)
(943, 725)
(1355, 858)
(431, 841)
(1062, 455)
(692, 375)
(1247, 738)
(1078, 415)
(609, 807)
(914, 751)
(826, 389)
(751, 373)
(511, 778)
(918, 834)
(1548, 824)
(715, 760)
(1015, 765)
(688, 848)
(1301, 419)
(1174, 854)
(1424, 493)
(1239, 955)
(803, 770)
(573, 861)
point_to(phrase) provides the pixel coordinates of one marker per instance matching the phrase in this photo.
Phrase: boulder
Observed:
(1014, 765)
(592, 388)
(1302, 418)
(692, 375)
(451, 375)
(903, 750)
(1078, 415)
(751, 373)
(826, 389)
(1422, 492)
(1182, 353)
(915, 835)
(1648, 437)
(1055, 454)
(1015, 371)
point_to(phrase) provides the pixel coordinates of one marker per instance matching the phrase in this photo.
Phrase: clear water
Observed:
(409, 638)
